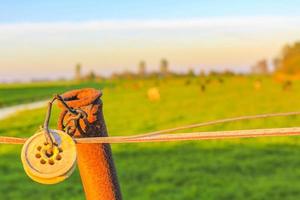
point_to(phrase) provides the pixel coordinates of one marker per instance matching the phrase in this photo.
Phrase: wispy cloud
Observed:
(216, 22)
(31, 49)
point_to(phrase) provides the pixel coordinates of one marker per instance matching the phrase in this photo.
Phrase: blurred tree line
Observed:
(288, 62)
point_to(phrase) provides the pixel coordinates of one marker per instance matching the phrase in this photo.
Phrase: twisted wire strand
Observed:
(216, 135)
(220, 121)
(161, 136)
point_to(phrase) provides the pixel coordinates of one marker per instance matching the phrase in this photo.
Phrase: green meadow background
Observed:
(262, 168)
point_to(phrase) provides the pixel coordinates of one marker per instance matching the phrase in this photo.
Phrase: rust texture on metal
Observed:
(95, 161)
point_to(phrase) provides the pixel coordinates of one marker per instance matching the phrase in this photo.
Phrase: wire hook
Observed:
(77, 112)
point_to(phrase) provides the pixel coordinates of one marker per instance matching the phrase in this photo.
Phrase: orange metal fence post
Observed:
(95, 162)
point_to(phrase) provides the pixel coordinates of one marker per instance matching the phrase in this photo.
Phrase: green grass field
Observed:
(12, 94)
(262, 168)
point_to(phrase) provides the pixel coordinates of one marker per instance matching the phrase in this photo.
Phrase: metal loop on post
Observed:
(79, 114)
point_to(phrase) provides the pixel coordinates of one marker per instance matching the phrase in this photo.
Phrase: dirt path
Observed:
(7, 111)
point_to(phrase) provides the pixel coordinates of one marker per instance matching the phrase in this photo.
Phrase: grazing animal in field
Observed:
(202, 87)
(287, 85)
(188, 82)
(221, 80)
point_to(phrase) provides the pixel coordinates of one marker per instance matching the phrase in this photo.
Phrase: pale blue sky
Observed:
(45, 39)
(74, 10)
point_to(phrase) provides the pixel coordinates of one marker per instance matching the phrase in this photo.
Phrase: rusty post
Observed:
(95, 161)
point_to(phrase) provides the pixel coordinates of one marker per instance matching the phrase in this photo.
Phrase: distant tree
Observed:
(142, 68)
(191, 72)
(228, 72)
(288, 62)
(202, 73)
(91, 76)
(261, 67)
(164, 67)
(115, 76)
(213, 73)
(78, 71)
(127, 74)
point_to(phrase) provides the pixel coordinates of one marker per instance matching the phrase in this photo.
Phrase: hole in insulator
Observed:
(58, 157)
(38, 155)
(43, 161)
(39, 148)
(51, 162)
(46, 143)
(60, 149)
(49, 153)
